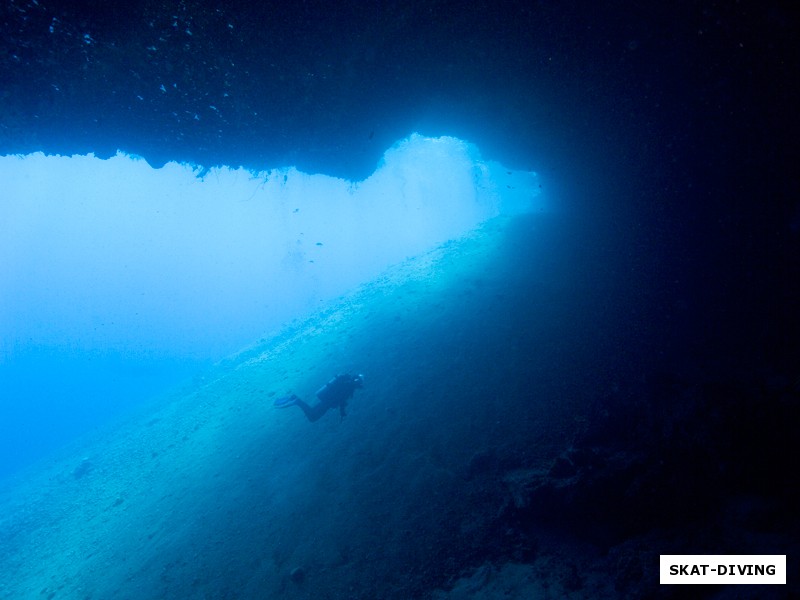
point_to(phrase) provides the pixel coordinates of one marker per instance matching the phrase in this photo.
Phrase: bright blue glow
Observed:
(116, 254)
(114, 258)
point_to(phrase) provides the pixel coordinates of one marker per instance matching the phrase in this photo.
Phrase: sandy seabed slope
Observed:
(489, 346)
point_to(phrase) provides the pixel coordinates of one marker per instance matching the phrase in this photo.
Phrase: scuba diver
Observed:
(334, 393)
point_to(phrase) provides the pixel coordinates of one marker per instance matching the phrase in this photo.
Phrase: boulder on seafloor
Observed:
(297, 574)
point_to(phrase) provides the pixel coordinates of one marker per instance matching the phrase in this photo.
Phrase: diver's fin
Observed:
(284, 401)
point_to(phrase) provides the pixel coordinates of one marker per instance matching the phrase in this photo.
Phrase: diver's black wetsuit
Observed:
(334, 393)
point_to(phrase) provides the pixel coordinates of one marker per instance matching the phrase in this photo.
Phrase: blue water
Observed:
(50, 397)
(119, 293)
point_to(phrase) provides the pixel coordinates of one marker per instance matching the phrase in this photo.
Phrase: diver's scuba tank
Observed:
(326, 390)
(341, 386)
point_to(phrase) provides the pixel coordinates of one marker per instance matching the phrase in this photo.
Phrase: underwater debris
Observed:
(82, 469)
(297, 575)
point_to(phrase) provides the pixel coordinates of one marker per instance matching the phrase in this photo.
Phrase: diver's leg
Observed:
(312, 413)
